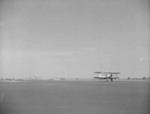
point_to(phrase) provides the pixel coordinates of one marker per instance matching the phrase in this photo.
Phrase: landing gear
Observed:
(111, 79)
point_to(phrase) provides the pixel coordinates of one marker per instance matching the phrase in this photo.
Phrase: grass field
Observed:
(75, 97)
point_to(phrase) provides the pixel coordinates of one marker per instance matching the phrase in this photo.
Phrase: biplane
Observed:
(107, 76)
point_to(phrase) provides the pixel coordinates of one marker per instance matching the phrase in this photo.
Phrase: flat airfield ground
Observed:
(75, 97)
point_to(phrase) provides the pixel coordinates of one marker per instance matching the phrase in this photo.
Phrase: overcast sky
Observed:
(74, 38)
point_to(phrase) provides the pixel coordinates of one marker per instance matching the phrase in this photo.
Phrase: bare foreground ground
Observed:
(75, 97)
